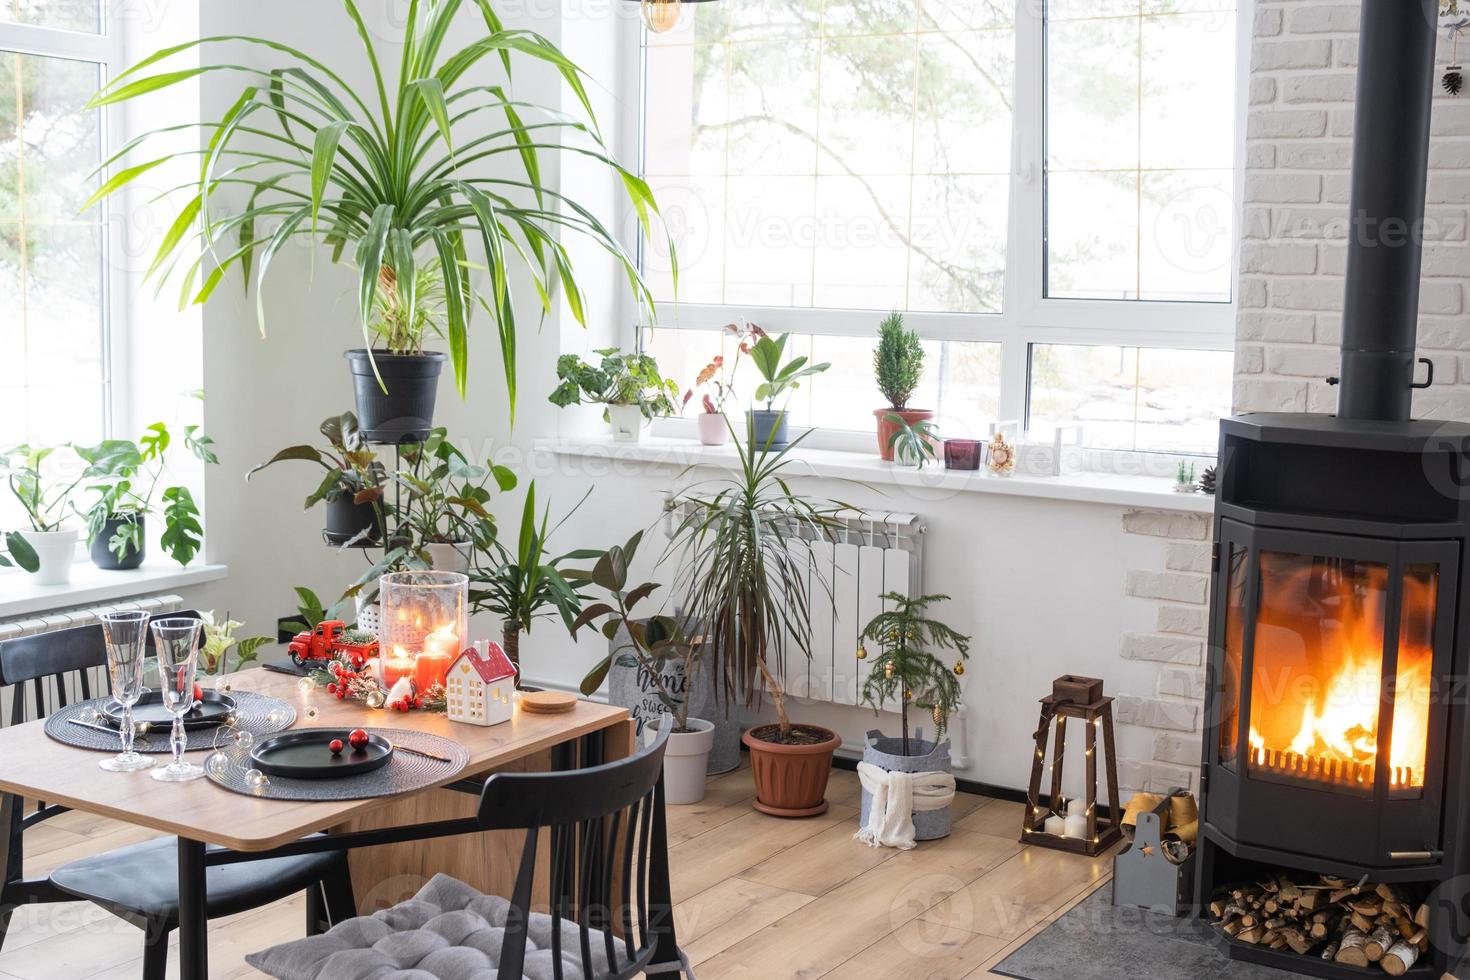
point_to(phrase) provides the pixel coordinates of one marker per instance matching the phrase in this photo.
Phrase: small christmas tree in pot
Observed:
(898, 367)
(908, 674)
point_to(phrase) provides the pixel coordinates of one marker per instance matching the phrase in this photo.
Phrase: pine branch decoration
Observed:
(908, 669)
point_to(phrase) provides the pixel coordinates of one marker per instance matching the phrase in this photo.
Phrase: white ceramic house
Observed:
(481, 686)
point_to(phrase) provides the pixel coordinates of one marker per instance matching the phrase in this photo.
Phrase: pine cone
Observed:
(1207, 481)
(1454, 80)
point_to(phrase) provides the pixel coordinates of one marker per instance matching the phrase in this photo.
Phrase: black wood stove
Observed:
(1335, 739)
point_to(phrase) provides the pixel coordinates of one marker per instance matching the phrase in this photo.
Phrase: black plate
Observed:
(303, 754)
(216, 707)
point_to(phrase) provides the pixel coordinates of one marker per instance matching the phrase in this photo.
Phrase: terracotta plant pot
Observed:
(791, 780)
(886, 427)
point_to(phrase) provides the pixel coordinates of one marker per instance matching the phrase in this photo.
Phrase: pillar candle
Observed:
(430, 669)
(1054, 825)
(397, 666)
(1075, 827)
(1076, 808)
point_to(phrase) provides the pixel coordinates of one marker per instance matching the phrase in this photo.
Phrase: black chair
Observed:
(605, 831)
(138, 883)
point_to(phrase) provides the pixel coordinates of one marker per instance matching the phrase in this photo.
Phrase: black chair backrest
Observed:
(49, 669)
(609, 861)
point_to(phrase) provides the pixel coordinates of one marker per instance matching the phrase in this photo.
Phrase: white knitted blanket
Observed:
(896, 795)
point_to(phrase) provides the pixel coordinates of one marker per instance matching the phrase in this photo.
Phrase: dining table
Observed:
(396, 842)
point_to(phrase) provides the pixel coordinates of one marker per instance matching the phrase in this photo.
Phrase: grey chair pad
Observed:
(448, 931)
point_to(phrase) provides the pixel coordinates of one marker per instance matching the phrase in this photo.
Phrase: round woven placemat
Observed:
(254, 713)
(404, 773)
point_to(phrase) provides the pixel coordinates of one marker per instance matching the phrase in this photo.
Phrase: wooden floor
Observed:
(756, 897)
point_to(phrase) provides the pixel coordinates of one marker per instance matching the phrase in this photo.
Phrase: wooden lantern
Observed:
(1095, 715)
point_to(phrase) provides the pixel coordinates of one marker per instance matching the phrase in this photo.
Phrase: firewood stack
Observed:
(1358, 925)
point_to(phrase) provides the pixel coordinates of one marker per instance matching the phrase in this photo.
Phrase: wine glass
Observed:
(177, 641)
(126, 634)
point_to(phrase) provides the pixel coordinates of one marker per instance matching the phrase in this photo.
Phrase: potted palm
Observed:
(352, 489)
(628, 385)
(767, 426)
(395, 380)
(909, 673)
(395, 170)
(749, 589)
(126, 477)
(48, 547)
(664, 654)
(526, 584)
(898, 365)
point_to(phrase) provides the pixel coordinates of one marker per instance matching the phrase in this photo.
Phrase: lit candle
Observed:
(430, 669)
(1054, 825)
(400, 664)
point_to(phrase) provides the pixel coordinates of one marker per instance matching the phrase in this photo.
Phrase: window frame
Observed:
(107, 50)
(1028, 316)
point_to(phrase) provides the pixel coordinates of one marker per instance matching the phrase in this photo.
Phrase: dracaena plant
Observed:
(395, 171)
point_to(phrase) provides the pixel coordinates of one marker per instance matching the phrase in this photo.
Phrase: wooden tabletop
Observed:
(36, 766)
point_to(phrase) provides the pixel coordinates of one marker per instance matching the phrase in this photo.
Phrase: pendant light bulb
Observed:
(662, 16)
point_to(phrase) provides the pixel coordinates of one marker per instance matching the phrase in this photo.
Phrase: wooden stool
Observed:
(1101, 834)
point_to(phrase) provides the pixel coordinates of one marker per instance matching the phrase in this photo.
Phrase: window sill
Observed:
(89, 584)
(1098, 488)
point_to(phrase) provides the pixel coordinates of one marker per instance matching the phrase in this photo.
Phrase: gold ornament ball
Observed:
(888, 670)
(862, 653)
(908, 695)
(959, 668)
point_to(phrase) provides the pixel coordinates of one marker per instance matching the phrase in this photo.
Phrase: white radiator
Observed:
(870, 555)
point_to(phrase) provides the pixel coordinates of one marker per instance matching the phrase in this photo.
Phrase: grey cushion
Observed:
(448, 931)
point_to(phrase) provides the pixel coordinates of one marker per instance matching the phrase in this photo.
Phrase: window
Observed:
(53, 259)
(1027, 182)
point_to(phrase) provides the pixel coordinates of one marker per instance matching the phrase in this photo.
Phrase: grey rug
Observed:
(1100, 942)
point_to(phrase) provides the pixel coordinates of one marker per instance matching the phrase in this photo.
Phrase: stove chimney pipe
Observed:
(1390, 170)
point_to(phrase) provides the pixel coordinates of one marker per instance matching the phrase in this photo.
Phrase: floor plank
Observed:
(1021, 893)
(918, 950)
(719, 917)
(744, 842)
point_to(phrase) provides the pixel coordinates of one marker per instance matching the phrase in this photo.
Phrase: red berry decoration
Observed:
(332, 688)
(336, 746)
(357, 738)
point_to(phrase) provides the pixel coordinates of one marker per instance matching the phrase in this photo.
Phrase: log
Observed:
(1421, 917)
(1379, 940)
(1350, 948)
(1398, 959)
(1309, 900)
(1362, 922)
(1299, 943)
(1252, 935)
(1330, 951)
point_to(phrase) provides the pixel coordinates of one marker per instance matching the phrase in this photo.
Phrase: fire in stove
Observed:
(1317, 685)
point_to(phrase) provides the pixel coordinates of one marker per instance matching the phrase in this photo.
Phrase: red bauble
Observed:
(357, 738)
(336, 746)
(332, 688)
(198, 693)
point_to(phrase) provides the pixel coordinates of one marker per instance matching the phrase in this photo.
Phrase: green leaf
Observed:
(310, 453)
(150, 83)
(370, 250)
(182, 533)
(431, 91)
(323, 157)
(21, 552)
(595, 676)
(120, 179)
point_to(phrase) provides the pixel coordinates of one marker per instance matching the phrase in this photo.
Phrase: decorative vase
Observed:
(791, 780)
(346, 521)
(686, 760)
(405, 411)
(630, 687)
(627, 422)
(105, 558)
(55, 550)
(449, 556)
(963, 454)
(714, 429)
(924, 756)
(767, 428)
(887, 427)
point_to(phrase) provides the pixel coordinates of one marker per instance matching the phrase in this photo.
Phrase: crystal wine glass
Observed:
(178, 655)
(126, 634)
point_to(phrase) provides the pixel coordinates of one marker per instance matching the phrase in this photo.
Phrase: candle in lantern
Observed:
(400, 664)
(429, 669)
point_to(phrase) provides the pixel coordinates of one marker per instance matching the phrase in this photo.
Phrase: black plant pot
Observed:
(765, 425)
(405, 412)
(346, 520)
(105, 559)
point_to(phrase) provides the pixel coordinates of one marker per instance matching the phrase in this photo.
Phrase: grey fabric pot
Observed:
(628, 687)
(886, 754)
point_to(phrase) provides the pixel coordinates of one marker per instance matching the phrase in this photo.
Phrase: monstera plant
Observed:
(398, 172)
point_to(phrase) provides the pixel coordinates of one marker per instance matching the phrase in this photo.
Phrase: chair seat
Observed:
(448, 931)
(144, 879)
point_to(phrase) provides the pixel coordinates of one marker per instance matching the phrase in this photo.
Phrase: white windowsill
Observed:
(20, 596)
(1099, 488)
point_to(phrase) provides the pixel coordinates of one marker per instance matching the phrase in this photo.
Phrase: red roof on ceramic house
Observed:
(495, 666)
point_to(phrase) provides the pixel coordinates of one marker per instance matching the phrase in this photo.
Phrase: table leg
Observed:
(193, 912)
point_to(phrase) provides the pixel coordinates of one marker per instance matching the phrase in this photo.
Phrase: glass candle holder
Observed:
(424, 626)
(963, 454)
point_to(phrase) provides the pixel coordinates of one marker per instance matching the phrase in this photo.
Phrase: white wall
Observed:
(1041, 584)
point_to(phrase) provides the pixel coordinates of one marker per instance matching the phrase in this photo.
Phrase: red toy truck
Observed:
(325, 643)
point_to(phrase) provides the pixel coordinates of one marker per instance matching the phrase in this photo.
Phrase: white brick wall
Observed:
(1172, 710)
(1295, 218)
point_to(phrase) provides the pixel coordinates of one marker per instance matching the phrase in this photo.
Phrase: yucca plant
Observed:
(308, 156)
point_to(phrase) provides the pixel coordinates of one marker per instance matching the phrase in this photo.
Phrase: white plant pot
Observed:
(627, 422)
(369, 615)
(449, 557)
(713, 429)
(686, 759)
(56, 551)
